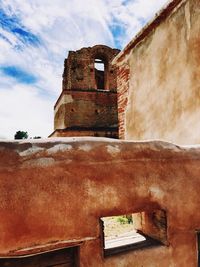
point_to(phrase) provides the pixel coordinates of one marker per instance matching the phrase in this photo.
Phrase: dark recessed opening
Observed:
(68, 257)
(133, 231)
(99, 66)
(198, 247)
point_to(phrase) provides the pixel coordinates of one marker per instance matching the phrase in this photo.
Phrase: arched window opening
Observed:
(99, 66)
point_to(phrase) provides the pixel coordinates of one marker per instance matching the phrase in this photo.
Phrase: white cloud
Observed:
(133, 15)
(61, 25)
(23, 109)
(10, 37)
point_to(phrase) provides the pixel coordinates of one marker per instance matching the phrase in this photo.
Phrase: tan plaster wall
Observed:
(53, 192)
(164, 85)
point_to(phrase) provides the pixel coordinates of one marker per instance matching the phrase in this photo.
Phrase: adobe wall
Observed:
(53, 192)
(164, 85)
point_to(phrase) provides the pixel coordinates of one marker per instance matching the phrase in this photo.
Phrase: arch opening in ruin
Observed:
(100, 77)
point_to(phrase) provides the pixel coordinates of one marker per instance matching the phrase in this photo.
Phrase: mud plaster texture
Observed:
(163, 100)
(53, 192)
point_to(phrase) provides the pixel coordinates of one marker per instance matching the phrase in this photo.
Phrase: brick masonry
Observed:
(123, 74)
(82, 105)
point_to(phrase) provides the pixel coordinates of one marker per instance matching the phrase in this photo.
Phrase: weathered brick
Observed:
(83, 108)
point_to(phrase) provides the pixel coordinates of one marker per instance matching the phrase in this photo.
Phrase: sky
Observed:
(35, 37)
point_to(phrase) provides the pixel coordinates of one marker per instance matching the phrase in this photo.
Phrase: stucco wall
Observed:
(53, 192)
(164, 84)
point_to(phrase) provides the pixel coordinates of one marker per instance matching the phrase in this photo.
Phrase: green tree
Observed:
(21, 135)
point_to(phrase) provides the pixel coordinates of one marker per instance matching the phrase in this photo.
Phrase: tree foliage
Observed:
(21, 135)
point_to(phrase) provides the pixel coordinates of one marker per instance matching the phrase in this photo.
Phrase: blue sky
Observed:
(35, 37)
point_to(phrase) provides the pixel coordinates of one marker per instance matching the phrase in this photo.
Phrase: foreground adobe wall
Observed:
(53, 192)
(163, 100)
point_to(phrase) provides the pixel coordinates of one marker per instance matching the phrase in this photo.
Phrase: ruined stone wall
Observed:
(91, 109)
(164, 61)
(79, 68)
(82, 104)
(94, 132)
(53, 192)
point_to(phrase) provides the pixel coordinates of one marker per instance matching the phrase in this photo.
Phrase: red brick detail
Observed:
(98, 97)
(123, 73)
(79, 68)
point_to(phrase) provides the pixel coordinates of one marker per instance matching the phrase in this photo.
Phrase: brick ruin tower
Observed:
(87, 105)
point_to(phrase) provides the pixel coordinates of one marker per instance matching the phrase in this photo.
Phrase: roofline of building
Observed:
(149, 27)
(85, 129)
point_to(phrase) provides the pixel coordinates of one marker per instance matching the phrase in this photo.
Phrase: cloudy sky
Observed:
(35, 37)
